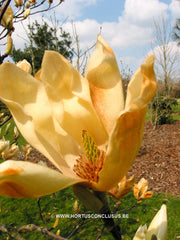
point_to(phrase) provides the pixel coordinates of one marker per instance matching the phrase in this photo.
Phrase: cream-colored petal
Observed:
(20, 179)
(69, 94)
(158, 225)
(28, 102)
(141, 233)
(142, 86)
(105, 83)
(122, 149)
(126, 137)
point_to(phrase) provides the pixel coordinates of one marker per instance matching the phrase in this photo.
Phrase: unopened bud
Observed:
(26, 13)
(7, 128)
(28, 4)
(50, 1)
(24, 65)
(9, 45)
(75, 207)
(56, 222)
(13, 150)
(27, 149)
(18, 3)
(1, 114)
(32, 1)
(3, 145)
(16, 133)
(7, 18)
(58, 232)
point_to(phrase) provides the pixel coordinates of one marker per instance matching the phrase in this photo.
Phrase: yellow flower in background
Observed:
(158, 227)
(123, 187)
(140, 190)
(81, 124)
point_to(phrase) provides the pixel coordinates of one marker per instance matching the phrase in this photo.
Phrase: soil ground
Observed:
(158, 160)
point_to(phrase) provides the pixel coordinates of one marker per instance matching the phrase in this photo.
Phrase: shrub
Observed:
(162, 110)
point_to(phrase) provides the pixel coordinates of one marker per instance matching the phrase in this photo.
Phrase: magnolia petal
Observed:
(38, 74)
(122, 149)
(69, 94)
(20, 179)
(105, 83)
(126, 137)
(142, 86)
(141, 233)
(158, 225)
(27, 100)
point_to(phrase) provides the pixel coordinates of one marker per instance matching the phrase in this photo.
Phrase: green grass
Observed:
(18, 212)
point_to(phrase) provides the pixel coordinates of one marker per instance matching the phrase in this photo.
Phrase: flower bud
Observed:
(7, 18)
(13, 150)
(76, 207)
(18, 3)
(16, 133)
(9, 45)
(3, 145)
(32, 1)
(140, 190)
(1, 114)
(27, 149)
(24, 65)
(123, 187)
(50, 1)
(56, 222)
(7, 128)
(26, 13)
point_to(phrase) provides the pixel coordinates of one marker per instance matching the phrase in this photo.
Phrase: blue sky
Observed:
(127, 25)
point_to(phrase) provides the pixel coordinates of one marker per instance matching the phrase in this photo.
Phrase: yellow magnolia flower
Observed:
(157, 227)
(123, 187)
(140, 190)
(80, 124)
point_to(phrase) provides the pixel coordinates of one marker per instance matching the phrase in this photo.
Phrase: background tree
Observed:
(176, 32)
(43, 37)
(167, 57)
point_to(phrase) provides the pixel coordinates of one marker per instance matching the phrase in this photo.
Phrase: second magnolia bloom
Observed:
(53, 111)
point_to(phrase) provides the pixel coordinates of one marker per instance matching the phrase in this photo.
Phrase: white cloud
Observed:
(175, 8)
(118, 34)
(73, 8)
(142, 12)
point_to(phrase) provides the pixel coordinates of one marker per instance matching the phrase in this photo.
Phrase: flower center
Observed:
(89, 164)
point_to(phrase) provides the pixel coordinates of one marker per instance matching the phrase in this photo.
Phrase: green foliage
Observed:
(27, 212)
(162, 110)
(176, 33)
(41, 38)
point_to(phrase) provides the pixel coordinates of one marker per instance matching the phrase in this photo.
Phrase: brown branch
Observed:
(32, 227)
(76, 229)
(99, 235)
(11, 232)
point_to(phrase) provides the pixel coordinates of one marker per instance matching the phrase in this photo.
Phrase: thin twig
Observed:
(32, 227)
(11, 232)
